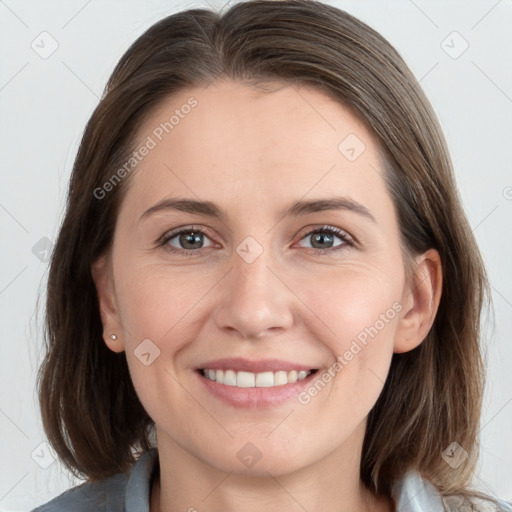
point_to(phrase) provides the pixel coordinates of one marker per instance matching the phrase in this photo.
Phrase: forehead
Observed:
(231, 142)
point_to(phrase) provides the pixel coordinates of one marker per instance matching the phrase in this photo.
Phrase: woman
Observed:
(265, 292)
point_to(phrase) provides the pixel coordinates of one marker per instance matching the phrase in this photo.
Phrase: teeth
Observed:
(265, 380)
(258, 380)
(230, 378)
(280, 378)
(245, 380)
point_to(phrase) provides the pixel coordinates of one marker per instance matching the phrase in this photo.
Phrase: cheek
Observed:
(361, 309)
(155, 302)
(356, 304)
(368, 321)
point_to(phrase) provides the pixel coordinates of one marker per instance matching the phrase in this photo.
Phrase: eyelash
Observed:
(347, 239)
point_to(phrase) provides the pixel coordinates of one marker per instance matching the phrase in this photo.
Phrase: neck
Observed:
(332, 484)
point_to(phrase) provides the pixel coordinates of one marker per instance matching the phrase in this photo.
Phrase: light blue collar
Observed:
(415, 494)
(138, 491)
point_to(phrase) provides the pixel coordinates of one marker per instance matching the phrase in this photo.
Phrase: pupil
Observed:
(191, 240)
(322, 238)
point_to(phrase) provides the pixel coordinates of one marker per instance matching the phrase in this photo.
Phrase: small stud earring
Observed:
(113, 336)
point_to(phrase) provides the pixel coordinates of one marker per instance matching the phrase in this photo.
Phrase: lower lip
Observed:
(255, 398)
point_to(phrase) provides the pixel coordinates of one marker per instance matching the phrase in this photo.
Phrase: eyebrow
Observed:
(299, 208)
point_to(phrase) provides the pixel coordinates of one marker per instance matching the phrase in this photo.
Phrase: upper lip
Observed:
(246, 365)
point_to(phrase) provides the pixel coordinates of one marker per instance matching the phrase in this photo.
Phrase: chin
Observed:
(259, 458)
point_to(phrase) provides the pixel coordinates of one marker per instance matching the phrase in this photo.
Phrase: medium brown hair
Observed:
(432, 396)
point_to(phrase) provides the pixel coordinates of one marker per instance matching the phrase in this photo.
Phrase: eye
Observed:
(185, 240)
(190, 240)
(321, 239)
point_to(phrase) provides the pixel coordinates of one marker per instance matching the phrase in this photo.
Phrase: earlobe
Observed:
(102, 277)
(113, 341)
(421, 300)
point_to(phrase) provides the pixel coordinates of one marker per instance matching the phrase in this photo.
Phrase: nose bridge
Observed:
(253, 299)
(251, 267)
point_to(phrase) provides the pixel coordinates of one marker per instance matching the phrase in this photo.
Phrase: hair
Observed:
(433, 394)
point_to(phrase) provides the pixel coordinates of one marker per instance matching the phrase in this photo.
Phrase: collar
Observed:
(415, 494)
(138, 491)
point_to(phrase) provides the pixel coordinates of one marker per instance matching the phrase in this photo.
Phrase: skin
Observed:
(252, 153)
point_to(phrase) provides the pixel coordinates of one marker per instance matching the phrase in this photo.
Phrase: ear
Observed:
(102, 276)
(420, 302)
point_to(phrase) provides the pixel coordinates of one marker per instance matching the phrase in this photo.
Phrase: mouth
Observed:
(244, 379)
(263, 384)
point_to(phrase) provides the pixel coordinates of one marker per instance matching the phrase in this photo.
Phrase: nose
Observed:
(255, 300)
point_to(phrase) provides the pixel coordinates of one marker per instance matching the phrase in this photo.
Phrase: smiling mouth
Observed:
(244, 379)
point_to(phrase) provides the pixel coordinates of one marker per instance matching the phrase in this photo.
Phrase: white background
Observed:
(45, 103)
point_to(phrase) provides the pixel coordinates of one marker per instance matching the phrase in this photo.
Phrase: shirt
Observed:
(130, 492)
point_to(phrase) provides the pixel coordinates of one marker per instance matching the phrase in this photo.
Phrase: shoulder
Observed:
(111, 494)
(463, 504)
(91, 496)
(416, 494)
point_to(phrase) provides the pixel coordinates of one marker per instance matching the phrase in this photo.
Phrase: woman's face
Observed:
(283, 256)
